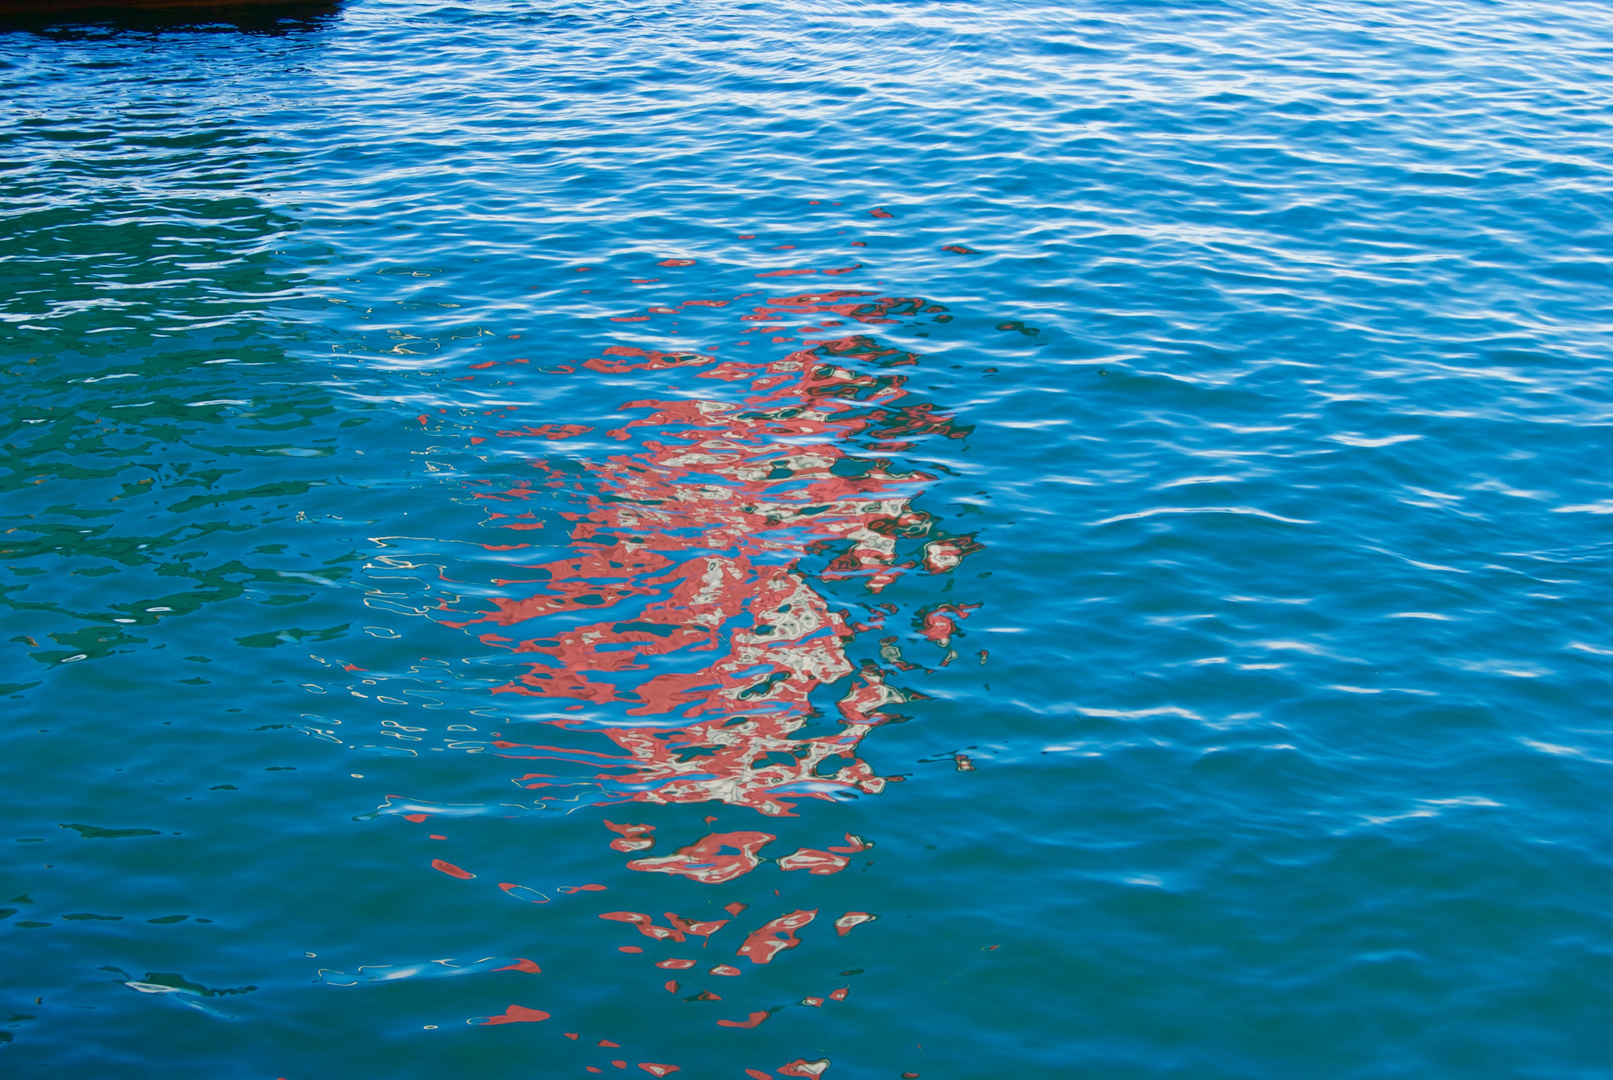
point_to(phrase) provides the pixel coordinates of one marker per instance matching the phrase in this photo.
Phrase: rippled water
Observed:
(968, 540)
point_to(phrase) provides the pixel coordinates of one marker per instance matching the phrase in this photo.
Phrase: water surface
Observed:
(968, 540)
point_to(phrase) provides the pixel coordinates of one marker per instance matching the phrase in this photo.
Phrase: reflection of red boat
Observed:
(696, 539)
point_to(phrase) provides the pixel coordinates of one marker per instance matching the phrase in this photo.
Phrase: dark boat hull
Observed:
(76, 7)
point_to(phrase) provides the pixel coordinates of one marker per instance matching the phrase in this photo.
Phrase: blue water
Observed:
(1176, 581)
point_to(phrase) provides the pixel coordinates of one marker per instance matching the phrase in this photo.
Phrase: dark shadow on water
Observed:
(77, 18)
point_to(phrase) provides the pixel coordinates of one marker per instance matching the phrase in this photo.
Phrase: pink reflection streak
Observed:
(686, 557)
(517, 1014)
(700, 535)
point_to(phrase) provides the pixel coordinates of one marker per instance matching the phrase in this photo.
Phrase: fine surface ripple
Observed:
(836, 540)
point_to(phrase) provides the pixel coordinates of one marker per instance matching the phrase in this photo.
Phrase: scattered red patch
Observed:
(880, 212)
(959, 249)
(702, 862)
(451, 870)
(645, 924)
(696, 929)
(840, 994)
(749, 1022)
(675, 262)
(516, 1014)
(628, 948)
(416, 818)
(844, 924)
(554, 432)
(633, 837)
(775, 936)
(802, 1067)
(522, 964)
(813, 861)
(723, 969)
(651, 1067)
(674, 965)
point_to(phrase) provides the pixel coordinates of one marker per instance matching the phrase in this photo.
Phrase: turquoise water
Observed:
(1112, 491)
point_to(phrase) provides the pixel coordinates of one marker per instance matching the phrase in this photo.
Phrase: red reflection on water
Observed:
(522, 964)
(633, 837)
(690, 621)
(696, 929)
(645, 924)
(450, 869)
(516, 1014)
(844, 924)
(728, 484)
(704, 860)
(813, 861)
(549, 431)
(775, 936)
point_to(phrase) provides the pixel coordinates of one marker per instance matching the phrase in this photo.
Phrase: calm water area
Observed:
(853, 540)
